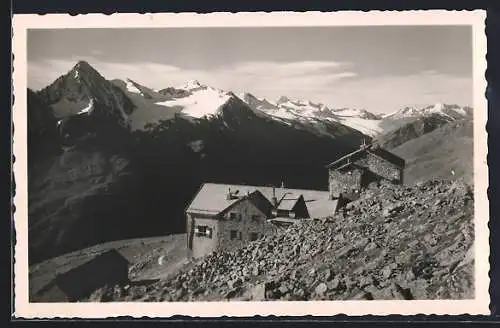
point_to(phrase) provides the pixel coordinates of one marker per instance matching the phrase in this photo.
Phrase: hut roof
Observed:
(373, 149)
(211, 198)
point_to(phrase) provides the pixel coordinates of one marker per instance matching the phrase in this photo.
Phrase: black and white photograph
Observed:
(253, 163)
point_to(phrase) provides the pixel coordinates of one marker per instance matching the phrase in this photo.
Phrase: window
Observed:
(254, 236)
(234, 234)
(203, 231)
(234, 216)
(255, 218)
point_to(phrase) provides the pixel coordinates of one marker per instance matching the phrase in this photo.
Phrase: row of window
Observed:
(237, 217)
(205, 231)
(236, 235)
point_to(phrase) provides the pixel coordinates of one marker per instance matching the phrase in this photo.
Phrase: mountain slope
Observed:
(415, 128)
(40, 116)
(146, 101)
(150, 259)
(42, 129)
(307, 112)
(411, 122)
(446, 152)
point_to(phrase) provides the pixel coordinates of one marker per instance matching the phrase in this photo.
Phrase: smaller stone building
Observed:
(352, 173)
(103, 269)
(290, 205)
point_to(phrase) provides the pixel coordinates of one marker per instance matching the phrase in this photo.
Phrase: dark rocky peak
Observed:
(174, 93)
(83, 66)
(283, 99)
(193, 85)
(369, 115)
(82, 69)
(248, 96)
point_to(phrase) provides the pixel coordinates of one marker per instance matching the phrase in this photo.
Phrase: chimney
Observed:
(363, 145)
(274, 200)
(228, 196)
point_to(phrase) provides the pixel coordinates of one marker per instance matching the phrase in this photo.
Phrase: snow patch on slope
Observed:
(131, 87)
(201, 103)
(286, 109)
(88, 109)
(371, 128)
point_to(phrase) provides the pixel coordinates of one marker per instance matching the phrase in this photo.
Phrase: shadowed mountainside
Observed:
(446, 152)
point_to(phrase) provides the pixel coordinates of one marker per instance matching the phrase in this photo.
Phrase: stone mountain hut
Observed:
(222, 218)
(354, 172)
(225, 217)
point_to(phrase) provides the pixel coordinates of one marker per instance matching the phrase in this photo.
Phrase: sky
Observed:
(377, 68)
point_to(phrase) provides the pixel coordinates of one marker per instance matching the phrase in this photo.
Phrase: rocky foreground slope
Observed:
(395, 242)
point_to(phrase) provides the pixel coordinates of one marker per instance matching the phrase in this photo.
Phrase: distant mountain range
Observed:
(115, 159)
(138, 106)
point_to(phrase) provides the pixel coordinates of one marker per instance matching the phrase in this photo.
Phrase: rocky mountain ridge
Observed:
(137, 105)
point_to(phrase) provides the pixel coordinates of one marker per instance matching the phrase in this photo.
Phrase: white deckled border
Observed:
(475, 19)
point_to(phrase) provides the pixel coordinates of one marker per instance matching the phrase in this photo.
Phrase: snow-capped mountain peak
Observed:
(192, 85)
(306, 111)
(447, 110)
(200, 102)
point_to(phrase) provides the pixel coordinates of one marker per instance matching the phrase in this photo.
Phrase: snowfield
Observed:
(307, 111)
(132, 88)
(204, 101)
(201, 103)
(87, 109)
(371, 128)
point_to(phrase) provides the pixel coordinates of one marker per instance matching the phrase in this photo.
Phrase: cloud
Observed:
(389, 93)
(96, 52)
(238, 77)
(41, 73)
(287, 69)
